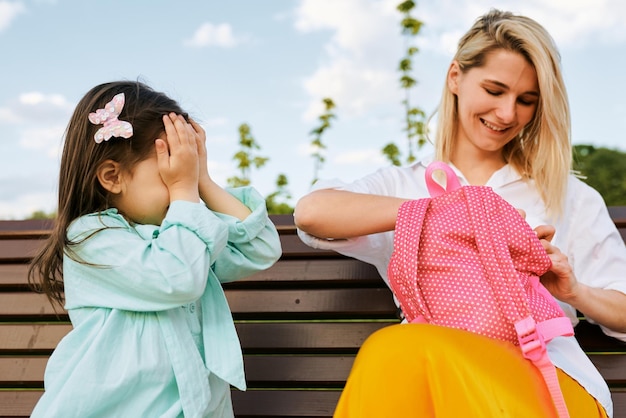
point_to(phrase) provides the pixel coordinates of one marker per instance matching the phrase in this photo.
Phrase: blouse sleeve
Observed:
(375, 248)
(114, 266)
(593, 244)
(253, 244)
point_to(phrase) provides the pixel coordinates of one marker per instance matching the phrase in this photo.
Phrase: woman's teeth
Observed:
(490, 126)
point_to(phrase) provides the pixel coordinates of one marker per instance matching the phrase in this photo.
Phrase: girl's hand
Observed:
(216, 198)
(560, 279)
(200, 135)
(206, 186)
(178, 159)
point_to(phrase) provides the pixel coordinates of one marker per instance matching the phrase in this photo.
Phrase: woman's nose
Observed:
(507, 111)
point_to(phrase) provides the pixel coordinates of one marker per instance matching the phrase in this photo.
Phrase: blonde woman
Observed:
(503, 122)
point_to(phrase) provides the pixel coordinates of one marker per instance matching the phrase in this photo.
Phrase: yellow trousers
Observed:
(421, 371)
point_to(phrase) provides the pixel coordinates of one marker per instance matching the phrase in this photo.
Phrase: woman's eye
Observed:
(493, 92)
(526, 102)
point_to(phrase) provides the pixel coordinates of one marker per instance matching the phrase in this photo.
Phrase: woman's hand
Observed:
(606, 307)
(178, 159)
(559, 279)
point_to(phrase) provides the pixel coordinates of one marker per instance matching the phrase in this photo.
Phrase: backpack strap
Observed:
(485, 213)
(452, 181)
(533, 338)
(403, 263)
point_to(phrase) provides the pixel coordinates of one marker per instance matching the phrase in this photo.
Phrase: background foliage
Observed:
(603, 169)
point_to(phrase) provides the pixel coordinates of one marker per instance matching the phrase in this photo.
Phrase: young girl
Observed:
(503, 122)
(143, 239)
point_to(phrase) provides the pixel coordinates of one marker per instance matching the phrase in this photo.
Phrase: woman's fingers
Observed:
(545, 232)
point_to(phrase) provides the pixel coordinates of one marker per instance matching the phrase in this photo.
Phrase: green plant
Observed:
(276, 202)
(316, 143)
(246, 157)
(414, 117)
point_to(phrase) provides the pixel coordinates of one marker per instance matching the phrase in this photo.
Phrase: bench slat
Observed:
(13, 275)
(257, 334)
(261, 370)
(29, 338)
(255, 337)
(253, 403)
(348, 271)
(272, 370)
(18, 403)
(291, 272)
(19, 372)
(285, 403)
(254, 304)
(16, 249)
(611, 366)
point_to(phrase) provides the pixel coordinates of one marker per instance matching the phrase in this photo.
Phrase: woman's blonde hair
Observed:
(542, 152)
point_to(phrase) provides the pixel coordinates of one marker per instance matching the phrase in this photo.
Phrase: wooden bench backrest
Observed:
(300, 324)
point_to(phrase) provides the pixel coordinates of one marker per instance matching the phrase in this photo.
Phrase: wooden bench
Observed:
(300, 324)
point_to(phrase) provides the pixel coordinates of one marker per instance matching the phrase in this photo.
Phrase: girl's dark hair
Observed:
(80, 192)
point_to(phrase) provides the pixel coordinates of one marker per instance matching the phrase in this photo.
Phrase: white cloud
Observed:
(214, 122)
(47, 138)
(208, 34)
(37, 108)
(370, 156)
(304, 149)
(24, 205)
(8, 116)
(220, 171)
(572, 23)
(36, 98)
(354, 88)
(358, 67)
(218, 139)
(581, 22)
(25, 192)
(39, 120)
(9, 10)
(357, 25)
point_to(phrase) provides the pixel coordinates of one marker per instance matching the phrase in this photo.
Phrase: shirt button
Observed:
(192, 307)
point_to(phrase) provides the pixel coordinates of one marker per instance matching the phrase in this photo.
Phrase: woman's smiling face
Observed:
(494, 101)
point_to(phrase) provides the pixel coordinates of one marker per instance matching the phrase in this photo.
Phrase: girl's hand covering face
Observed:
(200, 136)
(178, 158)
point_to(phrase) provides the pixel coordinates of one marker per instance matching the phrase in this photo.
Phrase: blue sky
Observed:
(269, 64)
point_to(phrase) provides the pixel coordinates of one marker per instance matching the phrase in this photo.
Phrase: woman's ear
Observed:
(453, 77)
(110, 176)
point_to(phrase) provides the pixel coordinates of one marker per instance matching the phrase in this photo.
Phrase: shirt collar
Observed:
(500, 178)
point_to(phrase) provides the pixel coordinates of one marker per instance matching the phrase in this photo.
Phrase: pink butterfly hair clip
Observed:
(112, 126)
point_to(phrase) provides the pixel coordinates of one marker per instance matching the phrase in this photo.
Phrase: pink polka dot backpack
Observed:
(465, 258)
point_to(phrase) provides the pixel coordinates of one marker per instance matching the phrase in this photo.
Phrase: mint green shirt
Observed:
(152, 334)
